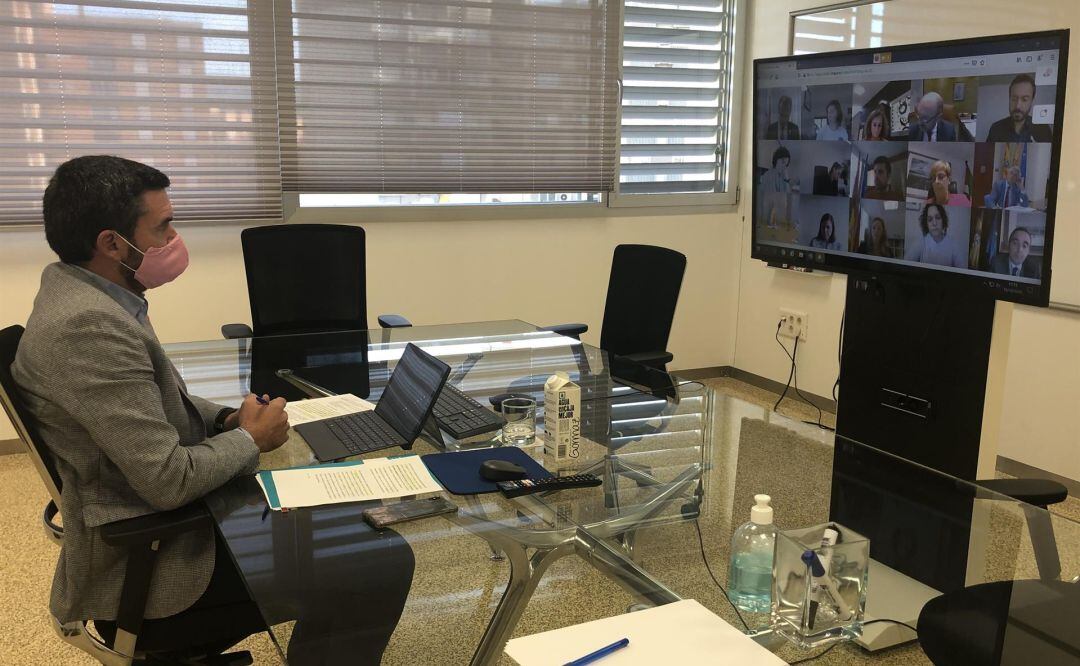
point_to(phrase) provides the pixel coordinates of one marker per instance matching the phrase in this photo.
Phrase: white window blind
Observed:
(857, 27)
(677, 62)
(186, 86)
(421, 96)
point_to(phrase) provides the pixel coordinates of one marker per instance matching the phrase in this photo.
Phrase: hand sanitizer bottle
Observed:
(750, 581)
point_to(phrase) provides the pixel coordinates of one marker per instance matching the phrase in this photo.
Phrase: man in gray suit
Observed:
(128, 439)
(126, 436)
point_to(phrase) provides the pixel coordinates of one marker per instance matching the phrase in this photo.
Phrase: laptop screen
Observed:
(411, 392)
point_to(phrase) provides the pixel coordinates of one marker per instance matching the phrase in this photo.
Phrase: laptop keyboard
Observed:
(462, 417)
(363, 432)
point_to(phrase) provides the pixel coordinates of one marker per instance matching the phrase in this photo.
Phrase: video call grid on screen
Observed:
(940, 156)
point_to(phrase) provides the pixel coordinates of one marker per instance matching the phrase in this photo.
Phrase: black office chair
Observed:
(305, 278)
(643, 290)
(139, 535)
(981, 624)
(642, 293)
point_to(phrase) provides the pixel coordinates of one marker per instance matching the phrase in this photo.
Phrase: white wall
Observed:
(729, 306)
(1042, 385)
(455, 268)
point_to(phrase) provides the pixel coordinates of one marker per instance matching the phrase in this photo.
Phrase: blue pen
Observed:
(261, 401)
(602, 652)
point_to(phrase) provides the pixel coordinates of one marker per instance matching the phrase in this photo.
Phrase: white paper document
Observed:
(355, 481)
(684, 632)
(316, 409)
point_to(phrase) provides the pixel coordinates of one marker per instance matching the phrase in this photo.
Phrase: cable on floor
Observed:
(701, 543)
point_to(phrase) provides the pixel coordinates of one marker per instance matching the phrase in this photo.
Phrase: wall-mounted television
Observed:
(938, 159)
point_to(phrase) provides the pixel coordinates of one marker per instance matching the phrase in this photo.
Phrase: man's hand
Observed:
(267, 424)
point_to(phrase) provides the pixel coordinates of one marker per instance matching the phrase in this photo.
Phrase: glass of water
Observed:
(520, 415)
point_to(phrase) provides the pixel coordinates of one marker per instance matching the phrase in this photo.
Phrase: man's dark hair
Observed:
(941, 211)
(90, 194)
(779, 154)
(881, 159)
(1023, 78)
(1013, 232)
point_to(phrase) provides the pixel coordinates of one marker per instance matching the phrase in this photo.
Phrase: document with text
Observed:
(354, 481)
(316, 409)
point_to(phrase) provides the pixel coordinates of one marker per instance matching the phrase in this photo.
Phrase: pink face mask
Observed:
(160, 264)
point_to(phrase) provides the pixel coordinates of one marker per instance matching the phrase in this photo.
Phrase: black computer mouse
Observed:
(501, 470)
(497, 400)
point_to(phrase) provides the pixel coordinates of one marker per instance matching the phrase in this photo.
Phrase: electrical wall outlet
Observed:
(794, 324)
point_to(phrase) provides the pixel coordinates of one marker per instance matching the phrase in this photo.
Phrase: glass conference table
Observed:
(680, 463)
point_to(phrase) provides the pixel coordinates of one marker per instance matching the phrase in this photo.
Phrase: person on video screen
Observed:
(882, 187)
(826, 235)
(1017, 263)
(877, 241)
(877, 125)
(1018, 128)
(931, 125)
(834, 129)
(836, 185)
(941, 186)
(776, 186)
(1008, 192)
(936, 246)
(783, 128)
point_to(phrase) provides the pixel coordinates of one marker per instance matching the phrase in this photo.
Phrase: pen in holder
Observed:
(819, 584)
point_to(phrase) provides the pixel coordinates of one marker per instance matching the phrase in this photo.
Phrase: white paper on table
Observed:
(316, 409)
(683, 632)
(355, 481)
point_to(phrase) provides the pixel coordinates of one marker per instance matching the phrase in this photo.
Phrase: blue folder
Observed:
(459, 472)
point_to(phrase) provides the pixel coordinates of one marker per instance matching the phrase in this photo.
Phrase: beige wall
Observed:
(453, 269)
(729, 305)
(1042, 380)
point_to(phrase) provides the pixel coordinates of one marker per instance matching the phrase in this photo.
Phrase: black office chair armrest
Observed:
(655, 359)
(1035, 495)
(235, 331)
(137, 535)
(394, 321)
(1039, 492)
(569, 330)
(155, 526)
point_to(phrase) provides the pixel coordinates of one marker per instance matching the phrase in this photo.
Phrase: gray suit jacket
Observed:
(127, 441)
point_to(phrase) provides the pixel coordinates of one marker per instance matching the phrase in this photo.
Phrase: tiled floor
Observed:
(422, 635)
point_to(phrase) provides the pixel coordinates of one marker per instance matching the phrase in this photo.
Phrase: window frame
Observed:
(730, 197)
(821, 9)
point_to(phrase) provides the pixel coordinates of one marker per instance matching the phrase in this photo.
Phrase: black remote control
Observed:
(527, 486)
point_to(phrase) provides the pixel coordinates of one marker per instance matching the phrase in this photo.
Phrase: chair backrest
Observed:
(305, 278)
(24, 422)
(642, 293)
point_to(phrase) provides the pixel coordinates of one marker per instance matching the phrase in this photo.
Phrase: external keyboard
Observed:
(363, 432)
(462, 417)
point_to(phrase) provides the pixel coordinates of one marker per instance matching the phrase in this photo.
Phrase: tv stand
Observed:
(914, 369)
(921, 366)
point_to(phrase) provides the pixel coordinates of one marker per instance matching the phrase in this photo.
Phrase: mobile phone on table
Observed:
(391, 514)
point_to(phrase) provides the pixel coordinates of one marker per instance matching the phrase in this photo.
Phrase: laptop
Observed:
(397, 419)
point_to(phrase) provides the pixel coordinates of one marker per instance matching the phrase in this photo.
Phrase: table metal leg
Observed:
(548, 546)
(616, 565)
(525, 574)
(476, 507)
